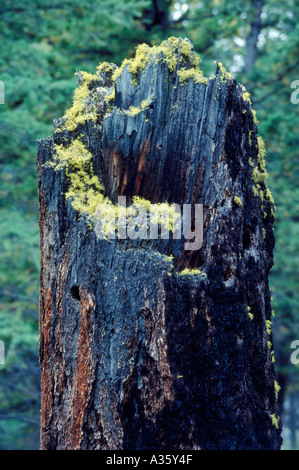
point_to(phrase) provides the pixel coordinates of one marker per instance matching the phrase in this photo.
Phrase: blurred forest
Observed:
(43, 43)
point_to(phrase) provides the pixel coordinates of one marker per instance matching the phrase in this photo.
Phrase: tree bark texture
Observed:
(133, 354)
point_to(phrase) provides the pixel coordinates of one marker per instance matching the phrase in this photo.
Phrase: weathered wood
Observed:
(133, 354)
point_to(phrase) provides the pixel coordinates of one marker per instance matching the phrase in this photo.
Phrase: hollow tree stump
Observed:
(137, 350)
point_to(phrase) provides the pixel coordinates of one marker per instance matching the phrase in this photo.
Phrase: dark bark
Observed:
(133, 354)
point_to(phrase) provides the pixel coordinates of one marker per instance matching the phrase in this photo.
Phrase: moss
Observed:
(83, 107)
(85, 189)
(246, 96)
(185, 75)
(238, 201)
(224, 74)
(255, 120)
(79, 111)
(249, 137)
(105, 67)
(146, 103)
(110, 98)
(256, 190)
(132, 111)
(174, 52)
(190, 272)
(255, 174)
(269, 196)
(264, 233)
(261, 153)
(75, 156)
(249, 313)
(259, 176)
(269, 326)
(277, 388)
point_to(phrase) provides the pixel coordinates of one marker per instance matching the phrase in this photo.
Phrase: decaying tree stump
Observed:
(139, 350)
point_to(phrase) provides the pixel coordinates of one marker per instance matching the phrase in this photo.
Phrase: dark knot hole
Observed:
(75, 292)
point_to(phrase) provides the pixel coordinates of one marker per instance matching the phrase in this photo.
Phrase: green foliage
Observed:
(19, 377)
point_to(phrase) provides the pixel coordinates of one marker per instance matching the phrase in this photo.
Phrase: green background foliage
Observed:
(43, 43)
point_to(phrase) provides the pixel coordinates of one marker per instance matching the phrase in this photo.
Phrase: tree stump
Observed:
(144, 344)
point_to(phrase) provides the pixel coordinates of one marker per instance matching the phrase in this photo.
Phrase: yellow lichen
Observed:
(246, 96)
(255, 120)
(264, 233)
(105, 67)
(224, 74)
(269, 326)
(185, 74)
(269, 196)
(259, 176)
(249, 313)
(261, 153)
(277, 388)
(161, 213)
(132, 111)
(110, 98)
(79, 111)
(85, 189)
(190, 272)
(145, 103)
(74, 156)
(174, 52)
(249, 137)
(256, 190)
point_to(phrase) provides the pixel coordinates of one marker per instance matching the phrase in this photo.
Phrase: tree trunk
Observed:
(136, 351)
